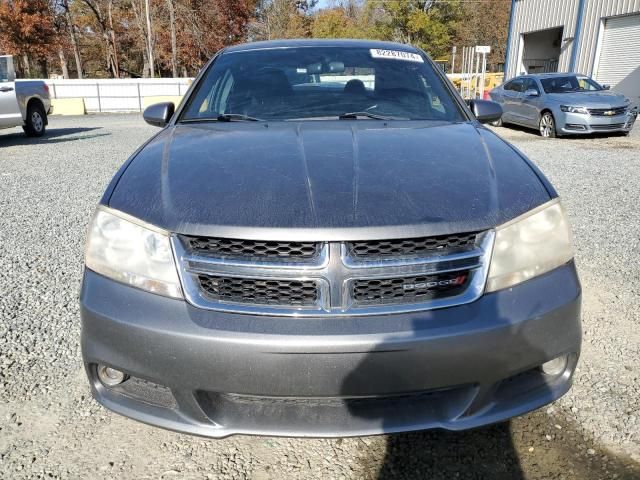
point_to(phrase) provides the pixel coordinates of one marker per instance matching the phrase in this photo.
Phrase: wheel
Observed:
(547, 125)
(498, 123)
(36, 120)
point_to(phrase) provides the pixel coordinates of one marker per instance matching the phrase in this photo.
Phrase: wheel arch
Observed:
(36, 101)
(546, 110)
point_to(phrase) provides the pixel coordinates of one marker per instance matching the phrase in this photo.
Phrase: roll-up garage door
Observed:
(619, 62)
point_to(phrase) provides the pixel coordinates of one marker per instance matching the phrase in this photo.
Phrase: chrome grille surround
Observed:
(334, 272)
(608, 112)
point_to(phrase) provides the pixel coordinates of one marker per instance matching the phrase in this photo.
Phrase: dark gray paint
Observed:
(474, 346)
(327, 180)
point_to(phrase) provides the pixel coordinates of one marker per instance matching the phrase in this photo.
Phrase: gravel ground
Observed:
(50, 426)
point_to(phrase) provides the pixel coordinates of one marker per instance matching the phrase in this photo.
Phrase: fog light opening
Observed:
(110, 376)
(556, 366)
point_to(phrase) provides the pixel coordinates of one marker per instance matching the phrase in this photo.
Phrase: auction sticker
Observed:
(396, 55)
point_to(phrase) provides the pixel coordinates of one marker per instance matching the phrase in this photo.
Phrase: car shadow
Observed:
(52, 135)
(487, 452)
(534, 133)
(484, 452)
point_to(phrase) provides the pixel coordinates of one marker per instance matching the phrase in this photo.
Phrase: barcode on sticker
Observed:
(396, 54)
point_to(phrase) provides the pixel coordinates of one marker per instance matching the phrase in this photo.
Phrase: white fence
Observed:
(115, 95)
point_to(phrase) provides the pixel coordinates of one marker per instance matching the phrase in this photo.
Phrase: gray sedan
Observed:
(562, 104)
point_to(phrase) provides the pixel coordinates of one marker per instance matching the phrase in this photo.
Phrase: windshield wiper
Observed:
(355, 115)
(230, 117)
(223, 117)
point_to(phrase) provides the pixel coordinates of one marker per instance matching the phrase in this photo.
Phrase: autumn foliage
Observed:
(151, 38)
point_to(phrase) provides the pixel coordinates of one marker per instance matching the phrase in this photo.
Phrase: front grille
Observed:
(407, 247)
(229, 247)
(604, 128)
(335, 278)
(298, 293)
(604, 112)
(410, 289)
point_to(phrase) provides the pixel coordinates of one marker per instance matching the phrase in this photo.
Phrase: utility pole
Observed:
(453, 59)
(149, 39)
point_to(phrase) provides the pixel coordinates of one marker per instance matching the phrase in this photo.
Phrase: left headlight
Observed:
(570, 109)
(530, 245)
(127, 250)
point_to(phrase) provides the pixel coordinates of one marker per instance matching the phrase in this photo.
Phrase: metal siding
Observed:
(595, 12)
(620, 53)
(535, 15)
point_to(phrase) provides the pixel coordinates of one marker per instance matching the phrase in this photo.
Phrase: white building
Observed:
(600, 38)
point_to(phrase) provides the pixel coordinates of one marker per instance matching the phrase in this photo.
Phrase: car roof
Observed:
(268, 44)
(551, 75)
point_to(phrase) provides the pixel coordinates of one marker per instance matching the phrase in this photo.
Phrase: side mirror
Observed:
(532, 92)
(606, 87)
(485, 110)
(159, 114)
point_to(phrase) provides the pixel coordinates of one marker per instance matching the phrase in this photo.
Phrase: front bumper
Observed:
(577, 123)
(216, 374)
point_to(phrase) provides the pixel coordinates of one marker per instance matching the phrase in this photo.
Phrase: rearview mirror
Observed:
(606, 87)
(485, 110)
(532, 92)
(159, 114)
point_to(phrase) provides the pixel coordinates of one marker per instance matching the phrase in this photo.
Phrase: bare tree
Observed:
(105, 23)
(63, 63)
(149, 38)
(174, 40)
(72, 36)
(137, 13)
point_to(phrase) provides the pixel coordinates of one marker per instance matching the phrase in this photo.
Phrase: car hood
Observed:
(326, 180)
(598, 99)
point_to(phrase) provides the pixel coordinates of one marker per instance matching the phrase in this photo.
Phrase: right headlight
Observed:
(530, 245)
(571, 109)
(130, 251)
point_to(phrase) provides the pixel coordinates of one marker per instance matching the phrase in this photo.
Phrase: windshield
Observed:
(321, 83)
(570, 83)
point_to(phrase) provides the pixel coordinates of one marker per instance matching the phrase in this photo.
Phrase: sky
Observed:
(323, 4)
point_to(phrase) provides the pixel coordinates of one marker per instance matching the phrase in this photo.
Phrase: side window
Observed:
(514, 85)
(531, 85)
(4, 69)
(585, 84)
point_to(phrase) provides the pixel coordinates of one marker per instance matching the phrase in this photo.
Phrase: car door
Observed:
(530, 105)
(10, 115)
(511, 100)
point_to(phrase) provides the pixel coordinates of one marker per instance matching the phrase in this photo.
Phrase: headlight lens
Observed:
(530, 245)
(128, 251)
(570, 109)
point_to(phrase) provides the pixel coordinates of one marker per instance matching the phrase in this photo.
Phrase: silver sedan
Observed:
(563, 104)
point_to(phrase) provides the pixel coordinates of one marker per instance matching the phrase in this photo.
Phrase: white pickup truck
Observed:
(24, 103)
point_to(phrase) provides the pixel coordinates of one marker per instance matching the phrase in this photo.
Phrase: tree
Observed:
(430, 25)
(332, 23)
(28, 32)
(71, 28)
(282, 19)
(102, 11)
(174, 39)
(487, 23)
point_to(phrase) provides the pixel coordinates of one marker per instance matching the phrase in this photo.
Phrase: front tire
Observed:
(547, 125)
(36, 123)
